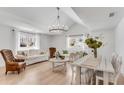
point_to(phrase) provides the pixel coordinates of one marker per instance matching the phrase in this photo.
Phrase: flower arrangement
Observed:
(94, 44)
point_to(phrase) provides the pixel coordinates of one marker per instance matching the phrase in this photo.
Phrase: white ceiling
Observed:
(98, 17)
(38, 19)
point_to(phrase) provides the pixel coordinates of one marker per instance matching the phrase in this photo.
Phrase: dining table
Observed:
(95, 64)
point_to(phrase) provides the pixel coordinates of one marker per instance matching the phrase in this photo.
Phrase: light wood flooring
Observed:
(39, 74)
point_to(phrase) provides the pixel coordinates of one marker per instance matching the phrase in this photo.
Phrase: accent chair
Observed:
(11, 63)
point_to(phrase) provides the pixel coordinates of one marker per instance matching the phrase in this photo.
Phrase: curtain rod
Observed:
(27, 32)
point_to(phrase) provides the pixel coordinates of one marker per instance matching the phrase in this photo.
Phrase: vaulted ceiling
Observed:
(38, 19)
(100, 17)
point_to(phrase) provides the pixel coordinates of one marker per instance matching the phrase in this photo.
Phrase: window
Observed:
(26, 41)
(76, 41)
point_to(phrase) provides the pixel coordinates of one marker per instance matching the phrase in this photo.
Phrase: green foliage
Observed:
(65, 52)
(92, 43)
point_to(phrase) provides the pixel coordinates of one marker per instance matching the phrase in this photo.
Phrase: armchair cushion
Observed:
(21, 65)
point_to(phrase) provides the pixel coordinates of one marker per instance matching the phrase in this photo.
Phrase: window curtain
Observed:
(76, 43)
(26, 40)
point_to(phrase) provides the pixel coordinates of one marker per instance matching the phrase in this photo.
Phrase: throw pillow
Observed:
(65, 52)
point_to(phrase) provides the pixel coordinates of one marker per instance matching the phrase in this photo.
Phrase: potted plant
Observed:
(94, 44)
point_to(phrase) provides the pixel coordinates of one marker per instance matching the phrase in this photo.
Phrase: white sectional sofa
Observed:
(33, 56)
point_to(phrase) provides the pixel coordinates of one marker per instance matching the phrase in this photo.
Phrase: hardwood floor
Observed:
(39, 74)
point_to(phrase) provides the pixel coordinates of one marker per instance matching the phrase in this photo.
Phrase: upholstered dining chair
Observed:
(72, 57)
(116, 62)
(86, 74)
(11, 63)
(52, 52)
(117, 68)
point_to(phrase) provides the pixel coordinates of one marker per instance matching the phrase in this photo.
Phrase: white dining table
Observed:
(95, 64)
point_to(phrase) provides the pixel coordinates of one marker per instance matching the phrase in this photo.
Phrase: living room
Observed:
(65, 46)
(22, 34)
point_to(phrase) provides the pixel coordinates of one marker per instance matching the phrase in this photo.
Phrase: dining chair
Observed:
(85, 73)
(93, 71)
(117, 68)
(116, 62)
(52, 51)
(71, 57)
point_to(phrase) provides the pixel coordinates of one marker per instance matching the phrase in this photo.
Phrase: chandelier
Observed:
(57, 27)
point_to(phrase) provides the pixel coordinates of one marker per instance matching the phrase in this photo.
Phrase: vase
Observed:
(95, 52)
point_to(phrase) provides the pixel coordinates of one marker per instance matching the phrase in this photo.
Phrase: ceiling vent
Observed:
(111, 14)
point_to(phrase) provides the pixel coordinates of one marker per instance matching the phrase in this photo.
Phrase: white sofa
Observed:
(33, 56)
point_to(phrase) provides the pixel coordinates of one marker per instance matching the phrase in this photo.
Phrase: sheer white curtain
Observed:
(76, 43)
(26, 40)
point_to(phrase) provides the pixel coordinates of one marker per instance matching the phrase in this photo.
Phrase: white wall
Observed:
(108, 42)
(6, 40)
(119, 44)
(119, 37)
(58, 41)
(45, 42)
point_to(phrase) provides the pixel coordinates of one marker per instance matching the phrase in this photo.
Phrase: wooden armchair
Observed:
(52, 52)
(12, 64)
